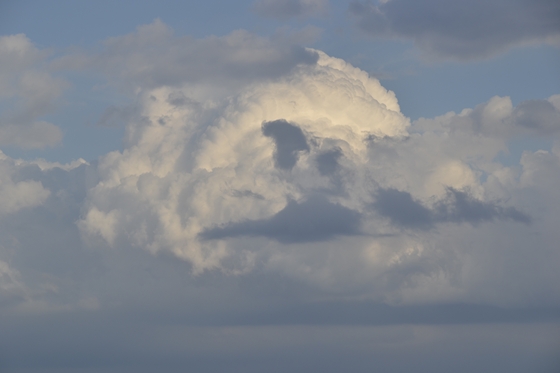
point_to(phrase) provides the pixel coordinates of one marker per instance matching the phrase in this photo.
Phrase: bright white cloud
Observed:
(181, 175)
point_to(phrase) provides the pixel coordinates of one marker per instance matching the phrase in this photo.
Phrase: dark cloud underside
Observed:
(315, 219)
(327, 162)
(289, 140)
(537, 115)
(402, 209)
(458, 207)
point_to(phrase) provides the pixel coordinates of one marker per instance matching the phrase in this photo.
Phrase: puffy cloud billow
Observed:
(194, 166)
(305, 166)
(299, 166)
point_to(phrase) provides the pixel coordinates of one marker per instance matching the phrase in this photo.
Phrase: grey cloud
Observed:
(152, 57)
(284, 9)
(402, 209)
(499, 119)
(537, 115)
(246, 194)
(458, 207)
(179, 99)
(327, 162)
(461, 29)
(315, 219)
(289, 140)
(117, 116)
(43, 243)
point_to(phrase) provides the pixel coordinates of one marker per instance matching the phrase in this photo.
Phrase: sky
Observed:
(280, 185)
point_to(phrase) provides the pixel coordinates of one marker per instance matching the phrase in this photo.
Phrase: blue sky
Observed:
(279, 185)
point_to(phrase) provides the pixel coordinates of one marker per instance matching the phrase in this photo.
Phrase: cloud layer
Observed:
(461, 30)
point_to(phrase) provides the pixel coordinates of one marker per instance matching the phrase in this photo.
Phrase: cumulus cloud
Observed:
(27, 92)
(274, 194)
(182, 165)
(309, 172)
(321, 157)
(284, 9)
(461, 30)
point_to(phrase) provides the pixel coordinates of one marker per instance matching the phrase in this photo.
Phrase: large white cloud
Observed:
(191, 165)
(305, 168)
(316, 174)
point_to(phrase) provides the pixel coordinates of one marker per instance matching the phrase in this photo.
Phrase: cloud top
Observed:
(304, 169)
